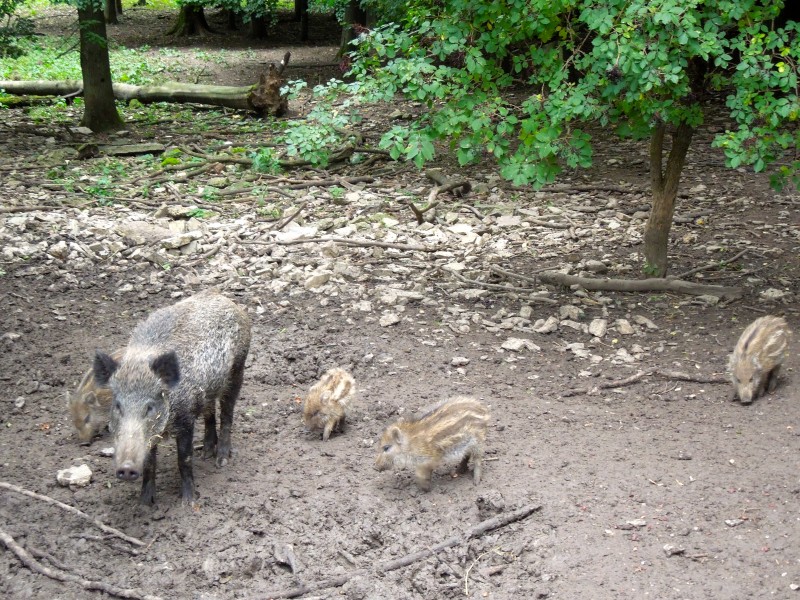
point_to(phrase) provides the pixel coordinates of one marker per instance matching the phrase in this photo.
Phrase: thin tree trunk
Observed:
(354, 16)
(111, 12)
(100, 111)
(119, 7)
(664, 185)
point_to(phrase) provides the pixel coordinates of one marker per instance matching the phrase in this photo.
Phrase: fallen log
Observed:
(263, 98)
(653, 284)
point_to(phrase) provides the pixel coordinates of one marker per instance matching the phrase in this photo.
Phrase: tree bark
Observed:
(111, 12)
(664, 184)
(354, 18)
(100, 111)
(191, 21)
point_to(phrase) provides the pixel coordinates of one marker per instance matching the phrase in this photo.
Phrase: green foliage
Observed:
(13, 29)
(265, 161)
(625, 64)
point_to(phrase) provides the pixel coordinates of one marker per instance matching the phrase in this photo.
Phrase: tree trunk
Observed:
(258, 28)
(664, 184)
(354, 18)
(303, 4)
(191, 21)
(100, 111)
(119, 7)
(111, 12)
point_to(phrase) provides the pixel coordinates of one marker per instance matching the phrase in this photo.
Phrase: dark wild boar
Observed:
(178, 363)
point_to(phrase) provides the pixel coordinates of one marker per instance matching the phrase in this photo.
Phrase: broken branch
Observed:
(74, 511)
(59, 575)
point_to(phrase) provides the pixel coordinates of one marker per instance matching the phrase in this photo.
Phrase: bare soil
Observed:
(662, 489)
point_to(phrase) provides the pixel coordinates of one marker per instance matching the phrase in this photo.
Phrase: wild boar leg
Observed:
(327, 431)
(184, 436)
(226, 406)
(148, 497)
(772, 379)
(210, 434)
(423, 477)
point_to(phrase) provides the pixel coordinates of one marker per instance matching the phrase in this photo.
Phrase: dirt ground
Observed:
(662, 489)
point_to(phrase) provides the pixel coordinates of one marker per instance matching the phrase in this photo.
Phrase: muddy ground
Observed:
(661, 489)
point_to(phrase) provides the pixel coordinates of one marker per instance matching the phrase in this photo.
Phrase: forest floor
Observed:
(664, 488)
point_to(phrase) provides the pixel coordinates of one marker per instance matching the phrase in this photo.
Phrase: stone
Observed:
(624, 327)
(598, 327)
(546, 326)
(59, 250)
(773, 294)
(645, 322)
(459, 361)
(75, 476)
(389, 319)
(596, 266)
(570, 311)
(139, 232)
(517, 344)
(178, 241)
(317, 279)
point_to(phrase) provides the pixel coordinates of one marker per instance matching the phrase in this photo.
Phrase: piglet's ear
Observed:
(166, 367)
(104, 367)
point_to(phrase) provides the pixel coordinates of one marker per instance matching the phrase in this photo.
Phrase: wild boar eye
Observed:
(118, 406)
(87, 419)
(387, 447)
(151, 409)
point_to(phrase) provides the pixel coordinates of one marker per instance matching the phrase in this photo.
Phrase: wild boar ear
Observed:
(326, 397)
(104, 367)
(396, 434)
(166, 367)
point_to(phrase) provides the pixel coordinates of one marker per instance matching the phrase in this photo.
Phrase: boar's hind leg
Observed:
(184, 436)
(226, 405)
(148, 496)
(210, 436)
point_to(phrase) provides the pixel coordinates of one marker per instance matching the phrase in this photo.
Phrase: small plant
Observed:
(265, 161)
(337, 192)
(200, 213)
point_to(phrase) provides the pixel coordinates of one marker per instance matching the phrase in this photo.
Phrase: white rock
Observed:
(509, 220)
(517, 344)
(59, 250)
(573, 325)
(460, 228)
(598, 327)
(175, 242)
(645, 322)
(295, 233)
(317, 279)
(624, 327)
(526, 311)
(459, 361)
(139, 232)
(473, 293)
(107, 452)
(455, 266)
(389, 319)
(389, 222)
(596, 266)
(773, 294)
(623, 355)
(75, 476)
(548, 326)
(363, 306)
(579, 350)
(570, 311)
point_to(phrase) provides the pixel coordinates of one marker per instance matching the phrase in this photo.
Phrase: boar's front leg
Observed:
(148, 497)
(184, 435)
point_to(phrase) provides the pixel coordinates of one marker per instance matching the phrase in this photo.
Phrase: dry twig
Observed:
(608, 385)
(391, 565)
(74, 511)
(61, 575)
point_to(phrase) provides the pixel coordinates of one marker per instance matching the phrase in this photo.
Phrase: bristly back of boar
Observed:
(758, 356)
